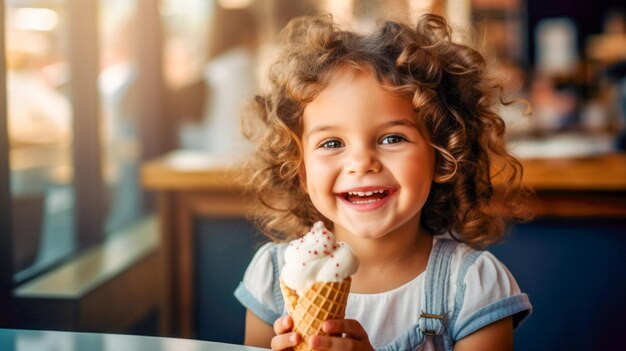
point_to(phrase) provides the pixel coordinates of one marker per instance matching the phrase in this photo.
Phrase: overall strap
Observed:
(433, 318)
(278, 262)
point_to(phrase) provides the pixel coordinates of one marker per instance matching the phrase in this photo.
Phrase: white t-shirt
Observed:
(486, 292)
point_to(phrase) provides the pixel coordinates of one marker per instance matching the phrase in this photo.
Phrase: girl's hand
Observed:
(354, 336)
(284, 338)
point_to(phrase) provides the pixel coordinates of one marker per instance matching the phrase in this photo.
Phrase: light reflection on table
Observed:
(44, 340)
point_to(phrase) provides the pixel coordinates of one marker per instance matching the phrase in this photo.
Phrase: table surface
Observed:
(45, 340)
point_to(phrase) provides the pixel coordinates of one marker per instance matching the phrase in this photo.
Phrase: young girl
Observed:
(391, 139)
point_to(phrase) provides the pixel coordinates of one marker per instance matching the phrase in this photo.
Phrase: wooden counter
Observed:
(191, 185)
(578, 187)
(598, 173)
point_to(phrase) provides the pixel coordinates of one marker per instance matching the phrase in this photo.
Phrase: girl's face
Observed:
(368, 164)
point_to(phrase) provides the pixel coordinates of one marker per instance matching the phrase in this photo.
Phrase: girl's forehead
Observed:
(348, 71)
(357, 94)
(346, 75)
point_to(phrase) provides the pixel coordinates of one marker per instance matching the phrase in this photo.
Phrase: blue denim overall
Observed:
(434, 317)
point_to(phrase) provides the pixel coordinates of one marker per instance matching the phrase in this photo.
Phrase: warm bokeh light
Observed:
(40, 19)
(234, 4)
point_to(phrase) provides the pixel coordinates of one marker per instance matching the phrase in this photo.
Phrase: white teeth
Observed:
(365, 201)
(366, 193)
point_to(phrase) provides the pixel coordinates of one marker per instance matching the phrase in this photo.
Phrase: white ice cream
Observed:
(317, 257)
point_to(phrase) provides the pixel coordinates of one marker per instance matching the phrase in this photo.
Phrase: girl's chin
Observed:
(365, 232)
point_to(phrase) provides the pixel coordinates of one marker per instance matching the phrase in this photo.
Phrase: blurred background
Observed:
(119, 144)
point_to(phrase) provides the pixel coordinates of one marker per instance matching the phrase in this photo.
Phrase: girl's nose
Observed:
(362, 162)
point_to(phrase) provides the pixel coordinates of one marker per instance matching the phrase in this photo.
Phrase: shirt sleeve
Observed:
(487, 292)
(258, 290)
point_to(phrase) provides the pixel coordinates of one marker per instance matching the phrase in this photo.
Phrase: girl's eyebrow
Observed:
(318, 129)
(400, 122)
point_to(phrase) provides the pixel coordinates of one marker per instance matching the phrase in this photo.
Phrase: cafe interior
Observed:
(123, 209)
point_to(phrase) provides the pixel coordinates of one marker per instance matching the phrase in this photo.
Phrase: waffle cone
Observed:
(322, 301)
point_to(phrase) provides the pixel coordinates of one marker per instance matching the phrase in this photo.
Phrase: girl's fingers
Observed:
(283, 325)
(345, 326)
(285, 341)
(354, 336)
(323, 343)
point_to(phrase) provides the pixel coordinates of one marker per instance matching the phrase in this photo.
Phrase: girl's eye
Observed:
(392, 139)
(331, 144)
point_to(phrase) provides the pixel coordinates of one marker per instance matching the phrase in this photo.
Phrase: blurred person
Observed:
(118, 95)
(555, 106)
(210, 110)
(555, 90)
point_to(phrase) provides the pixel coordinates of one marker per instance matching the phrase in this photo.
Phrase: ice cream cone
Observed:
(320, 302)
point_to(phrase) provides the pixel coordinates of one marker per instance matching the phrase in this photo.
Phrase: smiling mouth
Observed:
(365, 197)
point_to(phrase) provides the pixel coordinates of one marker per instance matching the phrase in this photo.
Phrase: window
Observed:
(40, 135)
(81, 110)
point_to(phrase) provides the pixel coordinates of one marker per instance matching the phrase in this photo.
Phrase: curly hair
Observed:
(451, 92)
